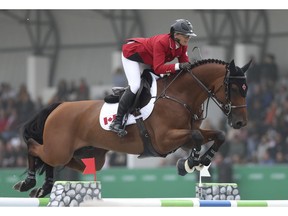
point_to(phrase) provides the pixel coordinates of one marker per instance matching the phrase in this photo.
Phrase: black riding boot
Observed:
(124, 104)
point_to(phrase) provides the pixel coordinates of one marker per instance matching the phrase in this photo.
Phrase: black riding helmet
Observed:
(182, 26)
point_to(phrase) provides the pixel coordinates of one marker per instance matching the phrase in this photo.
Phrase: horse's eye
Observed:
(234, 89)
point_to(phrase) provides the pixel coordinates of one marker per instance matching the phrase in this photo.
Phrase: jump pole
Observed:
(23, 202)
(142, 202)
(147, 202)
(181, 202)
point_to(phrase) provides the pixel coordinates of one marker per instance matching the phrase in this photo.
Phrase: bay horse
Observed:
(62, 133)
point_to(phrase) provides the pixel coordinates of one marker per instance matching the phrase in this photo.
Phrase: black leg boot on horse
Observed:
(125, 102)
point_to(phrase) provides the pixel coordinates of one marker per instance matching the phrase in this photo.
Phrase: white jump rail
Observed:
(182, 202)
(147, 202)
(23, 202)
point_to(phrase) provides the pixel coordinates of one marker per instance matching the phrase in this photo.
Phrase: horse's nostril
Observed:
(239, 124)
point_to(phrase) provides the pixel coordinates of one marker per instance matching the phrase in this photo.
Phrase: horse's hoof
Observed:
(42, 191)
(35, 192)
(38, 193)
(191, 162)
(199, 167)
(23, 186)
(187, 167)
(181, 167)
(18, 186)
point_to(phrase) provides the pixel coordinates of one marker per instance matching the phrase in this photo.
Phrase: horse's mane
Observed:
(206, 61)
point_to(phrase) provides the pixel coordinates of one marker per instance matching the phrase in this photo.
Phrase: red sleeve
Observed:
(159, 54)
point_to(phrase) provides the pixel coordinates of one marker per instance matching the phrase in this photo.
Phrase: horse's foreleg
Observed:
(30, 180)
(193, 161)
(218, 137)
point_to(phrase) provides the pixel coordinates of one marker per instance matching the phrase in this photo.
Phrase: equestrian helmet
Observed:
(182, 26)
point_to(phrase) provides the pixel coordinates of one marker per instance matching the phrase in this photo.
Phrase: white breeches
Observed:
(133, 71)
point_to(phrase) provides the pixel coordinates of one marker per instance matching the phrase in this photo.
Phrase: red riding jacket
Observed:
(155, 51)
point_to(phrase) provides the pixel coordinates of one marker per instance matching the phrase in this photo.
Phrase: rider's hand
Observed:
(185, 66)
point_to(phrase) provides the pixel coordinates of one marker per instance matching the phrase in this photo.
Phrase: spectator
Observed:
(269, 70)
(254, 75)
(62, 91)
(224, 168)
(280, 158)
(237, 145)
(3, 120)
(72, 91)
(83, 92)
(25, 106)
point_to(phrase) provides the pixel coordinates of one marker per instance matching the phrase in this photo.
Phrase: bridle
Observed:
(226, 107)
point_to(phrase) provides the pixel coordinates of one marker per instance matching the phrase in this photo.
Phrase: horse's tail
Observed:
(34, 127)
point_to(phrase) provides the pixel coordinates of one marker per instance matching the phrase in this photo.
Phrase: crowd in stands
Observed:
(263, 141)
(16, 107)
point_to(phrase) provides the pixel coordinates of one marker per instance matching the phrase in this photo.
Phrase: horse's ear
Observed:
(232, 65)
(246, 67)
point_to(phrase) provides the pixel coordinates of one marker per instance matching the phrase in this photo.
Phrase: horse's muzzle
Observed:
(239, 124)
(236, 122)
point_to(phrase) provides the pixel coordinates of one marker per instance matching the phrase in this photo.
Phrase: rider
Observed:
(153, 53)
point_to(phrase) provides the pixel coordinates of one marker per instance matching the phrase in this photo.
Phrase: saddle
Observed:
(142, 98)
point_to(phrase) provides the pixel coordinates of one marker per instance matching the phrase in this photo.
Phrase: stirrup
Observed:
(122, 132)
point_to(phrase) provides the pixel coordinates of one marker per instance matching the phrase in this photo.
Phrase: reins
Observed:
(163, 95)
(225, 108)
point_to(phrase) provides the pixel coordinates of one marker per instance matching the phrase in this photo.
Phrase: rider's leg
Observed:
(124, 104)
(133, 74)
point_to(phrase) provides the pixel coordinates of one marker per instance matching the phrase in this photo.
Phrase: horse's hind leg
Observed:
(48, 184)
(76, 164)
(30, 180)
(35, 149)
(188, 165)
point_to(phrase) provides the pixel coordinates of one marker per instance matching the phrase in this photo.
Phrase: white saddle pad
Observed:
(108, 111)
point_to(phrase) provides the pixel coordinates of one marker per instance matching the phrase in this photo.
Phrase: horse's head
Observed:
(235, 92)
(222, 82)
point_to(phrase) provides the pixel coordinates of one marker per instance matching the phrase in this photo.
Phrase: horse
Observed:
(63, 133)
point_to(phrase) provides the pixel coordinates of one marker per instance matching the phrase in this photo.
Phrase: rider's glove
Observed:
(185, 66)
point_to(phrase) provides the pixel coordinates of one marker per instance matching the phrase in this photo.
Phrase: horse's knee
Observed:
(219, 140)
(221, 136)
(197, 137)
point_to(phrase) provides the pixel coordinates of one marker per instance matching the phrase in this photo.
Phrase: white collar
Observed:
(177, 45)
